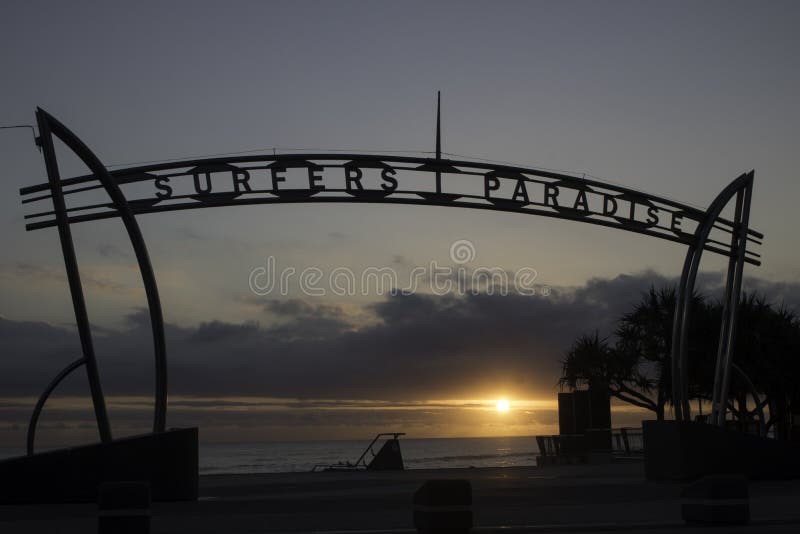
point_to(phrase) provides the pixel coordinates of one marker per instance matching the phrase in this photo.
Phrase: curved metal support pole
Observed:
(756, 398)
(683, 344)
(700, 237)
(677, 329)
(73, 277)
(724, 330)
(142, 257)
(37, 410)
(740, 233)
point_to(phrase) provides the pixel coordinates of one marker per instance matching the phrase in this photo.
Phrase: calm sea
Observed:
(277, 457)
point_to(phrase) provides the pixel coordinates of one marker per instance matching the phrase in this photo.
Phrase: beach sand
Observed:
(580, 498)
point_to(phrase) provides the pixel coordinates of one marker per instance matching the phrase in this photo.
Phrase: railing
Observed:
(577, 447)
(548, 445)
(627, 440)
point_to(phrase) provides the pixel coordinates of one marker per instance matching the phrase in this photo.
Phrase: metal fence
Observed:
(627, 440)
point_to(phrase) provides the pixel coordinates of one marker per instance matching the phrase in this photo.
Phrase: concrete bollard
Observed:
(443, 505)
(716, 500)
(123, 508)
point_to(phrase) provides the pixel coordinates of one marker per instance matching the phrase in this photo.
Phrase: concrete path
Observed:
(597, 498)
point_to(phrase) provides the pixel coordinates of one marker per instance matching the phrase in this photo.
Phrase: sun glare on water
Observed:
(502, 405)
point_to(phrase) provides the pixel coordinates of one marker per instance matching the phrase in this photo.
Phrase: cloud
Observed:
(37, 275)
(300, 320)
(109, 250)
(779, 293)
(316, 368)
(217, 331)
(192, 233)
(415, 347)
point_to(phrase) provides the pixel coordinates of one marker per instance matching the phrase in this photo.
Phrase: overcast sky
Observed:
(673, 98)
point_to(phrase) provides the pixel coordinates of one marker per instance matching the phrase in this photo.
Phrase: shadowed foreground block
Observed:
(166, 461)
(443, 506)
(123, 508)
(716, 500)
(676, 450)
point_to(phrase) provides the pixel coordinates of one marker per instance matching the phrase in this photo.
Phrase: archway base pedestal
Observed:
(679, 450)
(167, 461)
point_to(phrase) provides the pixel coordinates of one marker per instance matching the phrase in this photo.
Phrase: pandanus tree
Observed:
(636, 367)
(645, 335)
(768, 354)
(592, 362)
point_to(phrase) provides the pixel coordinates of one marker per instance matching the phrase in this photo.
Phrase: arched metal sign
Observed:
(309, 178)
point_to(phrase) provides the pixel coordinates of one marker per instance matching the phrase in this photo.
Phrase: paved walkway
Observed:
(598, 498)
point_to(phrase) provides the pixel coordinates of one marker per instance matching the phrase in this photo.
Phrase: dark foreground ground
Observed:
(598, 498)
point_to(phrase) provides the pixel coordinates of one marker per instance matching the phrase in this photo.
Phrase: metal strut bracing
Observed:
(37, 410)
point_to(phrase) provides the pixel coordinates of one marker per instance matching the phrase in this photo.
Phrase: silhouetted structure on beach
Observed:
(584, 428)
(388, 458)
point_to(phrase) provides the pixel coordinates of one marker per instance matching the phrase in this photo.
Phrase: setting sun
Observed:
(502, 405)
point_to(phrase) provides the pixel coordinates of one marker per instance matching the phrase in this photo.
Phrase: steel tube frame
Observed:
(73, 275)
(725, 326)
(742, 188)
(50, 125)
(37, 410)
(734, 304)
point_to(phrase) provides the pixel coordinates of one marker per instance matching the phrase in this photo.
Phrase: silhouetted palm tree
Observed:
(644, 335)
(592, 362)
(637, 367)
(767, 350)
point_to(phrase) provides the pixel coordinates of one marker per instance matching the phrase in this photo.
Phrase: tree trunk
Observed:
(742, 402)
(661, 400)
(786, 423)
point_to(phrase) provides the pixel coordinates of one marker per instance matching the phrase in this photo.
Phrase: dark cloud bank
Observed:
(420, 347)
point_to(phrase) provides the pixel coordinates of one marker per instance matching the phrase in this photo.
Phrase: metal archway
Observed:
(369, 178)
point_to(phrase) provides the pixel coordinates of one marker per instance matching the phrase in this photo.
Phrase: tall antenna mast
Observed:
(438, 139)
(438, 125)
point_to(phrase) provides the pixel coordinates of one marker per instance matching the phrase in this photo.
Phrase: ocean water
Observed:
(277, 457)
(291, 456)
